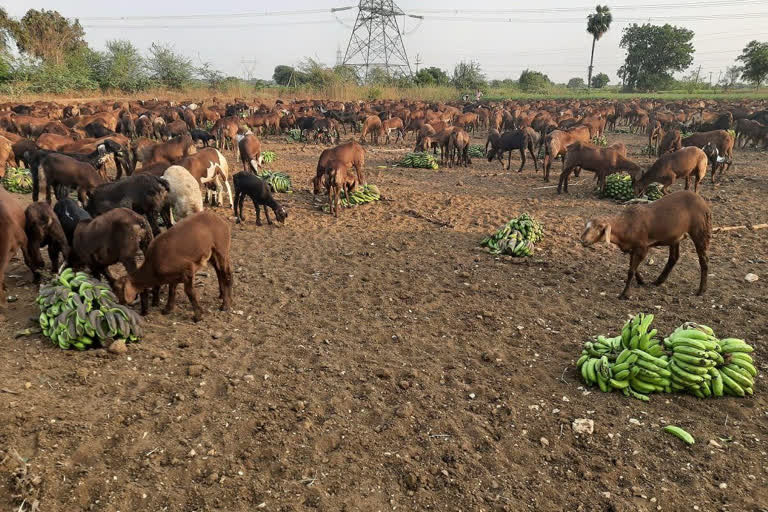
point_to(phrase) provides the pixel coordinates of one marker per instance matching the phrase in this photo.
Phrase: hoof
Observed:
(623, 297)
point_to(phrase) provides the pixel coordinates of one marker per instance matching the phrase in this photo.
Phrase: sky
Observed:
(248, 38)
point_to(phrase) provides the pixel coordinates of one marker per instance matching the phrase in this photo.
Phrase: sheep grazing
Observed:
(250, 152)
(12, 236)
(143, 193)
(43, 228)
(114, 237)
(556, 145)
(248, 184)
(69, 214)
(663, 223)
(203, 136)
(672, 141)
(685, 163)
(601, 161)
(721, 141)
(63, 172)
(338, 178)
(175, 257)
(351, 154)
(184, 194)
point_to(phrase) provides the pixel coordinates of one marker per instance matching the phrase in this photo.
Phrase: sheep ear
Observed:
(607, 234)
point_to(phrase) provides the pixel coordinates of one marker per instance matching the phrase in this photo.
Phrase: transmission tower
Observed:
(376, 41)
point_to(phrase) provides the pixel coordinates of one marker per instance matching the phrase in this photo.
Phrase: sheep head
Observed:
(596, 230)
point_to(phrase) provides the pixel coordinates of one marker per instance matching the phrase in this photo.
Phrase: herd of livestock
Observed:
(167, 162)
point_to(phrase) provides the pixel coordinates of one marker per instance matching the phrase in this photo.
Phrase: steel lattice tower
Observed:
(376, 41)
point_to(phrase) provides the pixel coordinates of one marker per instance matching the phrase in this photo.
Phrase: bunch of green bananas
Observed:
(279, 181)
(705, 366)
(419, 161)
(516, 238)
(268, 157)
(363, 194)
(633, 362)
(18, 181)
(691, 359)
(476, 151)
(76, 310)
(295, 135)
(599, 140)
(619, 187)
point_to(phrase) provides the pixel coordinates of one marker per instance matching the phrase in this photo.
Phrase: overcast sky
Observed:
(549, 37)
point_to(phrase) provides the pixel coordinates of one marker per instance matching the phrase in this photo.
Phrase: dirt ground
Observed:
(383, 362)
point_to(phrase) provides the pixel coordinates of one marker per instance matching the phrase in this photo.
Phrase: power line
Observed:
(214, 15)
(546, 10)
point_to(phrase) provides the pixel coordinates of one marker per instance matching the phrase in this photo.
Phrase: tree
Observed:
(468, 75)
(122, 67)
(598, 24)
(346, 74)
(283, 75)
(653, 53)
(167, 67)
(432, 76)
(731, 77)
(533, 81)
(600, 80)
(48, 35)
(213, 76)
(754, 56)
(379, 76)
(576, 83)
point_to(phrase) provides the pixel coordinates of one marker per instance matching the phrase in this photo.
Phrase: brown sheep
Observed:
(458, 147)
(690, 162)
(12, 236)
(250, 152)
(672, 141)
(338, 178)
(350, 154)
(556, 145)
(43, 228)
(721, 141)
(171, 151)
(663, 223)
(175, 257)
(601, 161)
(372, 126)
(63, 170)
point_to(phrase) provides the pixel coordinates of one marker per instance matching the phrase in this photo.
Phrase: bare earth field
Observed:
(382, 362)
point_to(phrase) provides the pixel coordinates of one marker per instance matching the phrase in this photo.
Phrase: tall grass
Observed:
(351, 92)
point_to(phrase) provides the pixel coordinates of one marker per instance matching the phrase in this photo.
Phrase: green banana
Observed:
(680, 434)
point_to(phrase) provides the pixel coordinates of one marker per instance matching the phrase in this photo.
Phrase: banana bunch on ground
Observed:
(363, 194)
(599, 140)
(690, 360)
(279, 181)
(705, 366)
(419, 161)
(77, 310)
(516, 238)
(476, 151)
(619, 187)
(18, 181)
(295, 135)
(268, 157)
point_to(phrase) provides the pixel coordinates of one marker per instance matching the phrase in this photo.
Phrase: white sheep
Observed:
(184, 195)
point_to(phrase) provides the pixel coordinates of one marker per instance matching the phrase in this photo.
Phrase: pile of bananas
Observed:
(77, 310)
(599, 140)
(419, 161)
(295, 135)
(268, 157)
(18, 181)
(279, 181)
(619, 187)
(476, 151)
(516, 238)
(362, 194)
(690, 360)
(705, 366)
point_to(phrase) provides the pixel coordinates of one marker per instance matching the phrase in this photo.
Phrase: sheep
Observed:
(248, 184)
(372, 126)
(12, 236)
(42, 227)
(338, 178)
(458, 147)
(556, 145)
(601, 161)
(721, 140)
(671, 141)
(184, 192)
(62, 172)
(509, 141)
(351, 154)
(663, 223)
(175, 257)
(250, 152)
(201, 136)
(69, 214)
(208, 166)
(143, 193)
(685, 163)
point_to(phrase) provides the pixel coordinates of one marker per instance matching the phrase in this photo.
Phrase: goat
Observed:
(43, 228)
(372, 125)
(338, 178)
(69, 214)
(143, 193)
(556, 145)
(671, 141)
(458, 146)
(250, 152)
(509, 141)
(721, 141)
(12, 236)
(685, 163)
(350, 154)
(209, 167)
(175, 257)
(663, 223)
(248, 184)
(63, 172)
(203, 136)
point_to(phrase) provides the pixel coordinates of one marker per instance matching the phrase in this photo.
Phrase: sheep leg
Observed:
(522, 159)
(674, 256)
(171, 298)
(155, 298)
(53, 254)
(636, 257)
(258, 211)
(266, 214)
(189, 289)
(6, 253)
(533, 155)
(702, 244)
(229, 191)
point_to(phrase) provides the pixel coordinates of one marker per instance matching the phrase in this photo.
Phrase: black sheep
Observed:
(201, 135)
(143, 193)
(248, 184)
(70, 214)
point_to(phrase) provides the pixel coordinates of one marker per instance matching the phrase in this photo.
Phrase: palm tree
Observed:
(597, 25)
